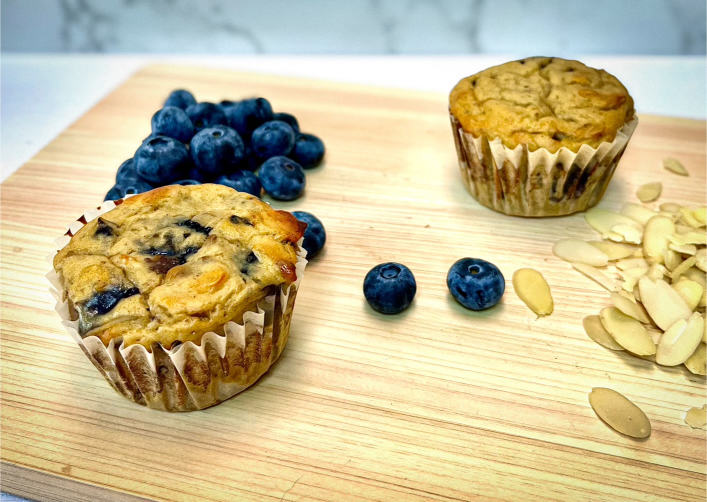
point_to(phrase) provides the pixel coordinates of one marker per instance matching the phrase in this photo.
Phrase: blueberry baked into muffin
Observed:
(540, 136)
(182, 295)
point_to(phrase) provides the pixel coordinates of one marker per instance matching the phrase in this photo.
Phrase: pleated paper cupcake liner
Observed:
(539, 183)
(190, 376)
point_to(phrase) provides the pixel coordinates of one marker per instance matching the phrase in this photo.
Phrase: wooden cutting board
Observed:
(437, 403)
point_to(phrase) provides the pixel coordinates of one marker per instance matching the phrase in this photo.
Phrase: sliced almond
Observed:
(597, 276)
(695, 275)
(680, 340)
(655, 334)
(696, 362)
(649, 192)
(655, 272)
(696, 417)
(688, 218)
(627, 331)
(631, 263)
(680, 269)
(619, 413)
(691, 237)
(688, 249)
(637, 212)
(671, 259)
(682, 229)
(674, 166)
(700, 214)
(533, 290)
(670, 207)
(636, 272)
(628, 233)
(614, 250)
(578, 251)
(701, 259)
(655, 238)
(596, 331)
(630, 308)
(603, 221)
(690, 291)
(663, 304)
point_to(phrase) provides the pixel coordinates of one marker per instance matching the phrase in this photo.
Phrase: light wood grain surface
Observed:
(437, 403)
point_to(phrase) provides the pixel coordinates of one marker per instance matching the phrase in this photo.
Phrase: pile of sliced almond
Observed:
(652, 261)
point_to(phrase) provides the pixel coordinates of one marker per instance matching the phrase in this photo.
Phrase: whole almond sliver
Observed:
(655, 238)
(663, 304)
(674, 166)
(649, 192)
(578, 251)
(619, 413)
(628, 332)
(680, 341)
(532, 288)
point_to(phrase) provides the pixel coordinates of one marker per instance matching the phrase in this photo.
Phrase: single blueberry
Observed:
(290, 119)
(242, 181)
(217, 149)
(308, 150)
(129, 187)
(173, 122)
(181, 99)
(187, 182)
(247, 115)
(206, 114)
(162, 160)
(389, 288)
(273, 138)
(476, 284)
(282, 178)
(126, 171)
(314, 236)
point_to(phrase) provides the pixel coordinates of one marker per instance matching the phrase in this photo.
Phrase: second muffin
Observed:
(540, 136)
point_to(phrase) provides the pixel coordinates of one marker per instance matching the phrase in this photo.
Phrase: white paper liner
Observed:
(483, 162)
(189, 376)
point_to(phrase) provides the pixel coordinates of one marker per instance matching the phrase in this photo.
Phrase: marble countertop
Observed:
(44, 94)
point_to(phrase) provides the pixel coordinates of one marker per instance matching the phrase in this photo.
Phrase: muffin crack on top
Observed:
(542, 103)
(172, 264)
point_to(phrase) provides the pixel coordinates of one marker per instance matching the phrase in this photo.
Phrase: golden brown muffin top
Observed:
(171, 264)
(543, 103)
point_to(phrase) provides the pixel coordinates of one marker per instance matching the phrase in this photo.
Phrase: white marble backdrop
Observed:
(557, 27)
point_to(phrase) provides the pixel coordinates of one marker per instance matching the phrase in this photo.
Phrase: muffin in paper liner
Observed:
(519, 182)
(189, 376)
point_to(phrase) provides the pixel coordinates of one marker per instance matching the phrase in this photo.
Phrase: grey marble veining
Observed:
(356, 26)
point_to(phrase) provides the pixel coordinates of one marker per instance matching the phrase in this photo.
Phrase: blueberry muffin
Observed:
(540, 136)
(170, 266)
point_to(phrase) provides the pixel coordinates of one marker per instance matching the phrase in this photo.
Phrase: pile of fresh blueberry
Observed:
(476, 284)
(243, 145)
